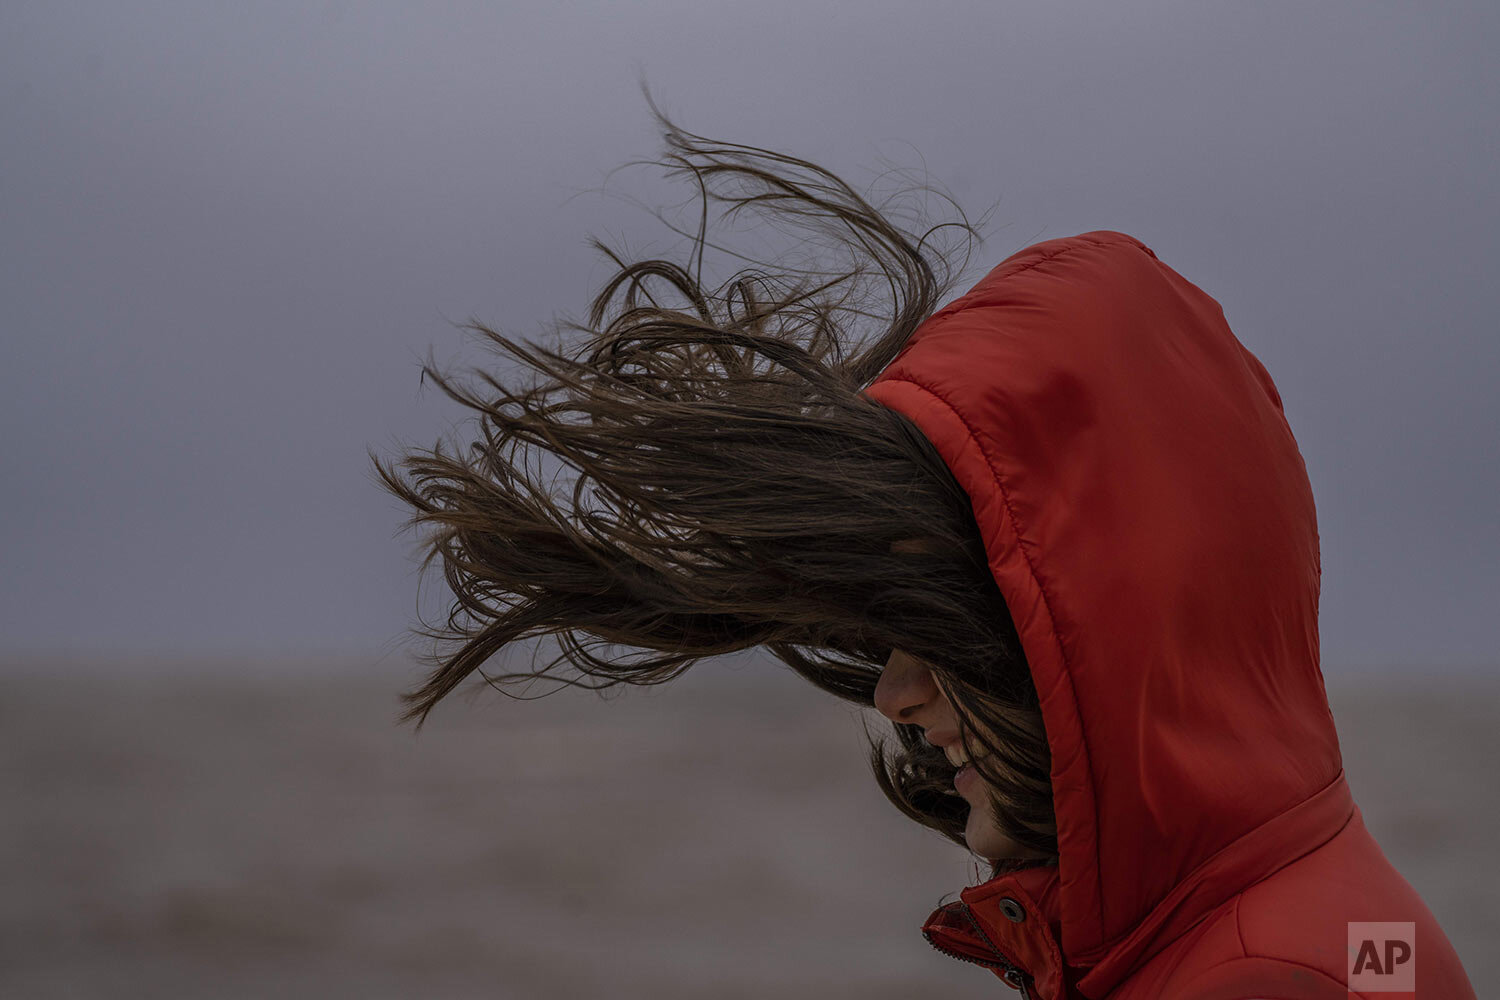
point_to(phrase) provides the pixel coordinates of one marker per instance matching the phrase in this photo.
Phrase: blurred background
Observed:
(229, 235)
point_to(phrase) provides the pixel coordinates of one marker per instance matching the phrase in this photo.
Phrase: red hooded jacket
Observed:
(1148, 518)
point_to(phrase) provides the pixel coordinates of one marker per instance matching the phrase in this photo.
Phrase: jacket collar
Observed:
(1012, 923)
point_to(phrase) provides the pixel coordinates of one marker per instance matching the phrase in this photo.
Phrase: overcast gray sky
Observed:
(230, 232)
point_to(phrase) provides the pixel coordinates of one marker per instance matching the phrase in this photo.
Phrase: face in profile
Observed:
(908, 693)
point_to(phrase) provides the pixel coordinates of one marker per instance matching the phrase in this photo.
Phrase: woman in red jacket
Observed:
(1058, 531)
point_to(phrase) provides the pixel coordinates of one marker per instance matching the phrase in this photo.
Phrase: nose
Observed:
(905, 688)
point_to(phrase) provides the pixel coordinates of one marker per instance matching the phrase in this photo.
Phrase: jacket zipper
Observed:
(1013, 975)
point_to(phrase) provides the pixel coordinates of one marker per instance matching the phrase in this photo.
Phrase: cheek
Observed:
(943, 705)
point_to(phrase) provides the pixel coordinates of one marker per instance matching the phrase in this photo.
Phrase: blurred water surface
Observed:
(269, 831)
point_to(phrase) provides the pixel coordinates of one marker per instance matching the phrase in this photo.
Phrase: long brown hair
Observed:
(732, 487)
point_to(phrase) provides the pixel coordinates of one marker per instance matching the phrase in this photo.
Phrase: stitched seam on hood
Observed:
(1070, 248)
(1239, 928)
(966, 300)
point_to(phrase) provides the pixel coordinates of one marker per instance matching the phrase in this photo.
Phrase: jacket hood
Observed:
(1148, 518)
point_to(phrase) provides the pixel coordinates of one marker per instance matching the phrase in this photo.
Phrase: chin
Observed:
(986, 840)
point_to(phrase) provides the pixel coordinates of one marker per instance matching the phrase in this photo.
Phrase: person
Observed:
(1057, 531)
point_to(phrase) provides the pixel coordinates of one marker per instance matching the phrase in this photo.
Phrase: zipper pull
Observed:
(953, 930)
